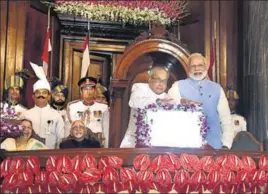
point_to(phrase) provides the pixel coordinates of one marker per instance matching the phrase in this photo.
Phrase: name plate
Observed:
(171, 126)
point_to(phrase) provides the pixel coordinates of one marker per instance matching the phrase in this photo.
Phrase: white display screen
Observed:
(175, 128)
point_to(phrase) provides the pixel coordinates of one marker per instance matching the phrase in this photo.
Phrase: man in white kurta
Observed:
(94, 114)
(47, 122)
(143, 94)
(239, 123)
(13, 87)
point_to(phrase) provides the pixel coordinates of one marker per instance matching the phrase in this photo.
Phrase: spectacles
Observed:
(158, 80)
(200, 66)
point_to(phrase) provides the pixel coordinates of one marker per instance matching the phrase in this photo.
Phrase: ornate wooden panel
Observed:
(13, 20)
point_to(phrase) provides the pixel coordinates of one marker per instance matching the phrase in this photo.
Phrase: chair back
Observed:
(245, 141)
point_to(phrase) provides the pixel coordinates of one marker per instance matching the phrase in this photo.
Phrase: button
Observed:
(209, 96)
(201, 94)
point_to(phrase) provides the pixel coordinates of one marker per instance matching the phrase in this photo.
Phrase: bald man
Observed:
(143, 94)
(78, 140)
(210, 95)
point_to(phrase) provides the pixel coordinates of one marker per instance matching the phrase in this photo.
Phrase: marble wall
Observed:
(254, 66)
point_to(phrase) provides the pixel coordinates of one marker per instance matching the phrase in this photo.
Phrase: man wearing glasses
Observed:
(143, 94)
(77, 137)
(199, 90)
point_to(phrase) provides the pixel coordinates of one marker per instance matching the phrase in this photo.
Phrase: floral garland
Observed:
(133, 12)
(143, 129)
(7, 129)
(165, 173)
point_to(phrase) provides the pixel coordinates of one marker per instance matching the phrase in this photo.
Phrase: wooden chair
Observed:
(245, 141)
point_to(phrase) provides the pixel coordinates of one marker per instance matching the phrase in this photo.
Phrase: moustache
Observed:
(39, 97)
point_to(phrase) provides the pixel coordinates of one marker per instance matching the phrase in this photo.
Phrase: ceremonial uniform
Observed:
(13, 81)
(141, 96)
(214, 104)
(47, 123)
(58, 87)
(18, 107)
(239, 123)
(99, 117)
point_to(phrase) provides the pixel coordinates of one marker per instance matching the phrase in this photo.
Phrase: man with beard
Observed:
(210, 96)
(143, 94)
(47, 122)
(13, 87)
(94, 114)
(59, 97)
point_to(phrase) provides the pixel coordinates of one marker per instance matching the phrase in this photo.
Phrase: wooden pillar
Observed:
(221, 24)
(116, 110)
(12, 26)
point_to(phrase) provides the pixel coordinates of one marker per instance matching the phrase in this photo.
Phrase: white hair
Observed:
(156, 68)
(196, 55)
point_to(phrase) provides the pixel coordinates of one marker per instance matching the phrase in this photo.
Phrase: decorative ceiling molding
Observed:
(74, 26)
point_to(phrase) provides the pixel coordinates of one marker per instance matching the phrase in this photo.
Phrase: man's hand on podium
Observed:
(165, 101)
(188, 102)
(207, 147)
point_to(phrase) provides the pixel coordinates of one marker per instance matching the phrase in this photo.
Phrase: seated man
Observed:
(26, 141)
(77, 137)
(143, 94)
(239, 123)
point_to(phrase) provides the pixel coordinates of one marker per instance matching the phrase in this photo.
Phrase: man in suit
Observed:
(210, 95)
(77, 138)
(143, 94)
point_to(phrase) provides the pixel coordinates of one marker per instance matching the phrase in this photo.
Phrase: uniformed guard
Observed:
(47, 122)
(13, 88)
(238, 121)
(58, 102)
(94, 114)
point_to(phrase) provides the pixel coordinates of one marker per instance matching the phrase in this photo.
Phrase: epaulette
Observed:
(72, 102)
(101, 102)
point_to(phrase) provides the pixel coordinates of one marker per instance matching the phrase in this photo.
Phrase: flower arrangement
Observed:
(133, 12)
(143, 128)
(164, 173)
(7, 127)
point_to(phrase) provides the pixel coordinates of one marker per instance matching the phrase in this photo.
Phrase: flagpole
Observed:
(214, 75)
(48, 20)
(49, 53)
(88, 32)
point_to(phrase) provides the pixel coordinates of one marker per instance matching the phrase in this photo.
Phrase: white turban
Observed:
(42, 83)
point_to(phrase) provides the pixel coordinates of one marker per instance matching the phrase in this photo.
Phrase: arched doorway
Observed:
(132, 68)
